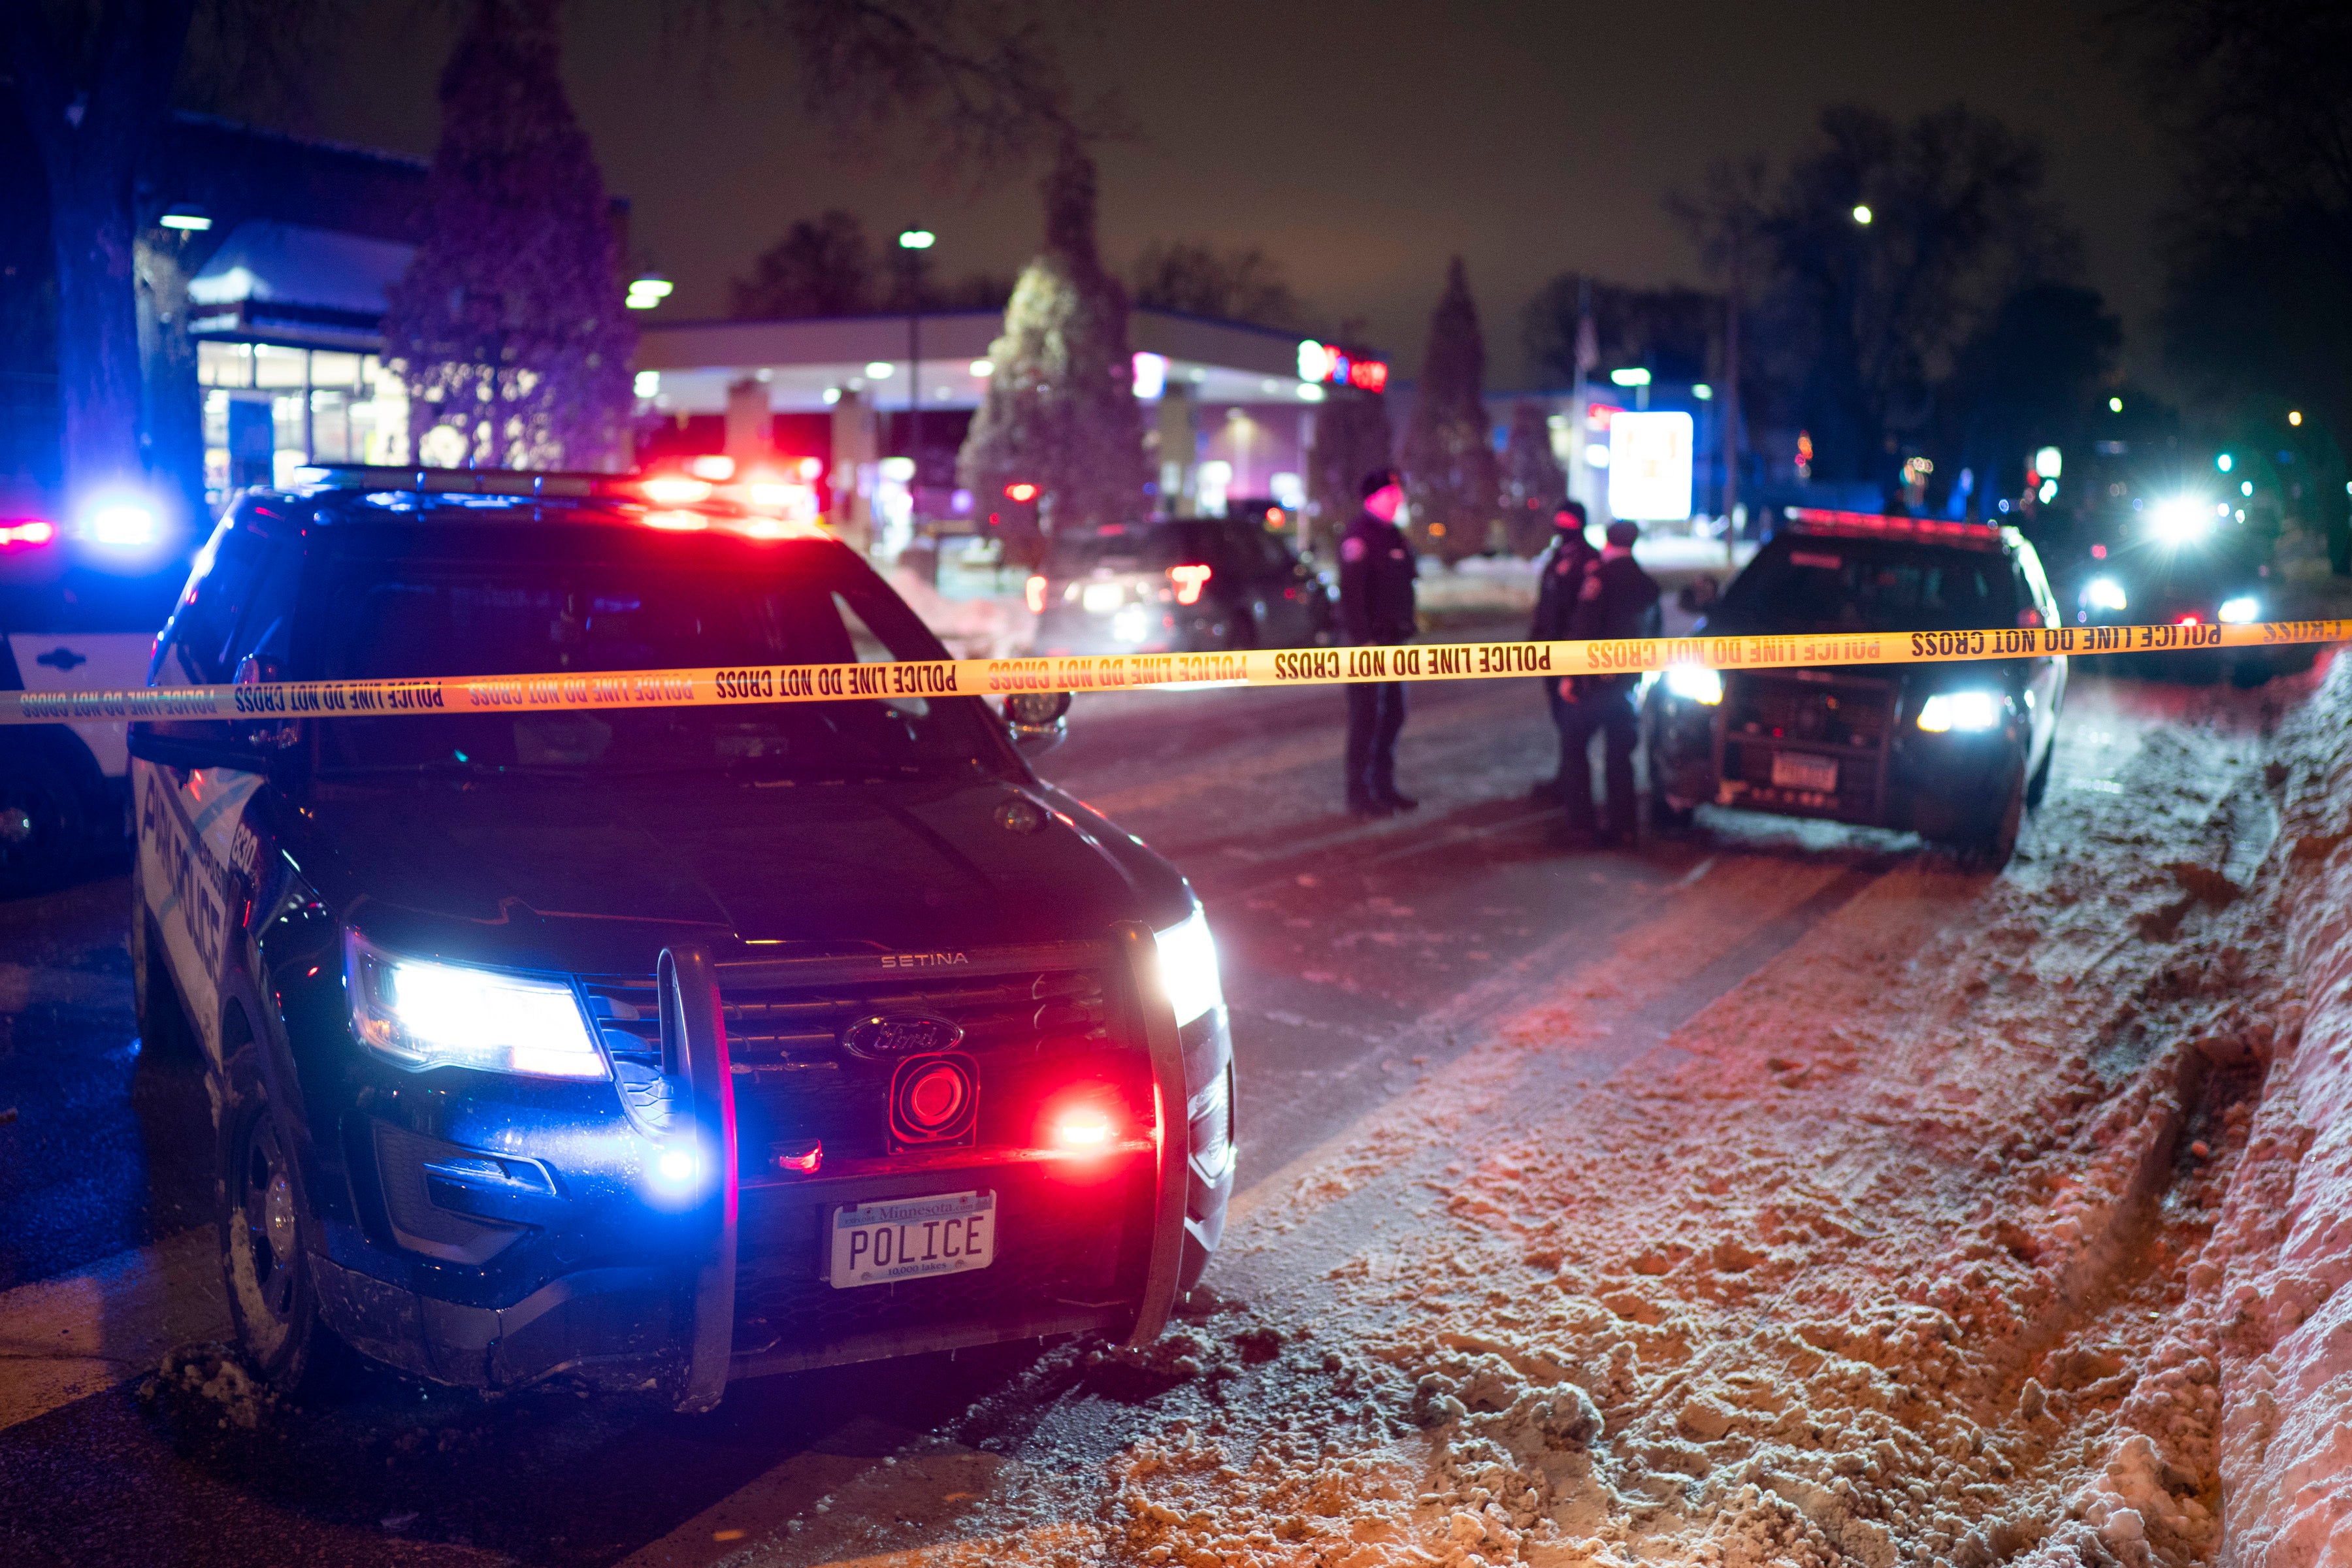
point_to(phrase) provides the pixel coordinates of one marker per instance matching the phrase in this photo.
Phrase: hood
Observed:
(597, 876)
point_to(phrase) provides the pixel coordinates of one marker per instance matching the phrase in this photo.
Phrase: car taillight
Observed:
(1036, 591)
(678, 521)
(2188, 621)
(1189, 581)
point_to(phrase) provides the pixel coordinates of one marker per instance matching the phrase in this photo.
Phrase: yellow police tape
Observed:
(1125, 672)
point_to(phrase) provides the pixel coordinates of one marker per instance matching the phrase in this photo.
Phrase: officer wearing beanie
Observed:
(1376, 588)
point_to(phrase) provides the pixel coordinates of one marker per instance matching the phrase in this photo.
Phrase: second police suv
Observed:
(654, 1047)
(1956, 753)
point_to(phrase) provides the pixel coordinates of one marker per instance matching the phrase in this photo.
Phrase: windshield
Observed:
(694, 605)
(1803, 583)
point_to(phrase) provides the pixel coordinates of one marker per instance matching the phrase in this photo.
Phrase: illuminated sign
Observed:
(1332, 366)
(1151, 374)
(1650, 466)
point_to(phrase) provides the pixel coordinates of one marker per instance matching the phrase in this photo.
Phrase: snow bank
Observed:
(2286, 1319)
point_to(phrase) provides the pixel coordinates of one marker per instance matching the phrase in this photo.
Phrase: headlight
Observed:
(2104, 594)
(2237, 611)
(422, 1014)
(1960, 710)
(1695, 683)
(1188, 967)
(2180, 521)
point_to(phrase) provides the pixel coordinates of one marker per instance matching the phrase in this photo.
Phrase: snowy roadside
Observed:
(2282, 1316)
(1904, 1251)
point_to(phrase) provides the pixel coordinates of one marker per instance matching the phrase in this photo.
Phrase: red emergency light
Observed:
(1021, 490)
(15, 534)
(1875, 525)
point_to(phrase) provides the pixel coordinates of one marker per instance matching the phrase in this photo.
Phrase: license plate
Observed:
(1794, 770)
(1102, 598)
(912, 1238)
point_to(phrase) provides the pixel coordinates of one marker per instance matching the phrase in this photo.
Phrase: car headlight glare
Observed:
(2104, 594)
(2237, 611)
(1949, 710)
(2181, 520)
(422, 1014)
(1695, 683)
(1188, 967)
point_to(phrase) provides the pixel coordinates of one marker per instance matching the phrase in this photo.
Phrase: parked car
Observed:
(1956, 753)
(652, 1047)
(1180, 585)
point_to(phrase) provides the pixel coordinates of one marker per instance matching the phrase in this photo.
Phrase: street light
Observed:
(647, 290)
(1861, 213)
(2295, 417)
(2115, 405)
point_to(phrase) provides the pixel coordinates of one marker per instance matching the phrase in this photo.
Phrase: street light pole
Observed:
(912, 242)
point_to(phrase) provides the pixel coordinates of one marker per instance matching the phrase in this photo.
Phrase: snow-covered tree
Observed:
(508, 328)
(1534, 484)
(1060, 410)
(1451, 478)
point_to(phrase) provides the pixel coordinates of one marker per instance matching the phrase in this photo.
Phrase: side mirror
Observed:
(266, 670)
(1040, 720)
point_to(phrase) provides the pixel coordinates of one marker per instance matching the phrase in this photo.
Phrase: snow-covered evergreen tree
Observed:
(1534, 484)
(1451, 478)
(508, 327)
(1060, 410)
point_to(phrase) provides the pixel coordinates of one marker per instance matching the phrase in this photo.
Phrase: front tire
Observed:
(1994, 847)
(267, 1233)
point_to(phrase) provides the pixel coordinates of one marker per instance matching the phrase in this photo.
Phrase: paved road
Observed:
(1359, 958)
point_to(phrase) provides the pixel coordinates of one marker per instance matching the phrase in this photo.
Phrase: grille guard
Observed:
(695, 1061)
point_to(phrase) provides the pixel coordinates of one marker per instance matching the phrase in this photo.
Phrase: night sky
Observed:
(1358, 144)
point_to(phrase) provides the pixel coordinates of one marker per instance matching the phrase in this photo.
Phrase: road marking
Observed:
(78, 1335)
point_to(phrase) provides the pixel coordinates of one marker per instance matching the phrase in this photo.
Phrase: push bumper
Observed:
(735, 1286)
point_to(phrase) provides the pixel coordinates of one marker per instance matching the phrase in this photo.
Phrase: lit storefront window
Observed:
(269, 410)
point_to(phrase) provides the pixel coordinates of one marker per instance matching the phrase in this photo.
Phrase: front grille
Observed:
(1028, 1033)
(1844, 719)
(1073, 1240)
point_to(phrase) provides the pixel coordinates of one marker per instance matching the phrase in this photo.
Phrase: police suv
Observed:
(1956, 753)
(652, 1047)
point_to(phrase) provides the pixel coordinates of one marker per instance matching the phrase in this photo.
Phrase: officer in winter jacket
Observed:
(1376, 588)
(1618, 599)
(1559, 577)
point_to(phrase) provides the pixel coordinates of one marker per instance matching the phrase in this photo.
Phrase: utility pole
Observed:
(913, 240)
(1730, 400)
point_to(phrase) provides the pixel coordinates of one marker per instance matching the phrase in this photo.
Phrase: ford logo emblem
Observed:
(900, 1035)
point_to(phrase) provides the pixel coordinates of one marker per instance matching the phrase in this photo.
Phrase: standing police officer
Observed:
(1618, 600)
(1560, 578)
(1376, 588)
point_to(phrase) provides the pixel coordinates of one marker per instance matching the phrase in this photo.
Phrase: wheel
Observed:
(2039, 784)
(1991, 849)
(267, 1231)
(44, 821)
